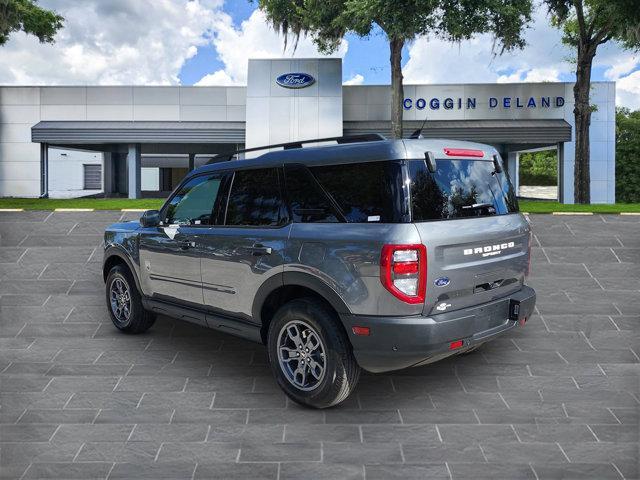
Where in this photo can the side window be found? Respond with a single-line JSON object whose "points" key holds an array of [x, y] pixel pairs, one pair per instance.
{"points": [[308, 202], [365, 192], [255, 199], [194, 202]]}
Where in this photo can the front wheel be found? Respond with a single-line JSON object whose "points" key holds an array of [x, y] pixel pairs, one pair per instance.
{"points": [[310, 355], [125, 303]]}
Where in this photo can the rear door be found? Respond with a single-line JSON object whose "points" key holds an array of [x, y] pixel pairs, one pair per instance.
{"points": [[477, 243], [248, 248]]}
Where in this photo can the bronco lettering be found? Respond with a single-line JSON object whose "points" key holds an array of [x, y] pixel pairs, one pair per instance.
{"points": [[489, 249]]}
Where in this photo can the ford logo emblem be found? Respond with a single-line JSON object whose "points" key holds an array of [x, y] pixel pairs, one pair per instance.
{"points": [[441, 282], [295, 80]]}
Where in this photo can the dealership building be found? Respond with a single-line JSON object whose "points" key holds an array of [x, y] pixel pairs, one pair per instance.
{"points": [[141, 140]]}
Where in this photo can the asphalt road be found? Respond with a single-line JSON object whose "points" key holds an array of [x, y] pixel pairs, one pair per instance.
{"points": [[558, 398]]}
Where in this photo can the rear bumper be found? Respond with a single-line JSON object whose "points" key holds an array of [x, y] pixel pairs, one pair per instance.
{"points": [[400, 342]]}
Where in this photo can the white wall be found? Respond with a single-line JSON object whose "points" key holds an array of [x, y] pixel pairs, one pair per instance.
{"points": [[602, 143], [23, 107], [19, 158], [66, 171], [150, 179]]}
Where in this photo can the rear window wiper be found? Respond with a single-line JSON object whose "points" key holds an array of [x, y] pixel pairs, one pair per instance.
{"points": [[476, 206]]}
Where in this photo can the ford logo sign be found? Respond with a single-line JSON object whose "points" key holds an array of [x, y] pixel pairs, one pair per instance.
{"points": [[441, 282], [295, 80]]}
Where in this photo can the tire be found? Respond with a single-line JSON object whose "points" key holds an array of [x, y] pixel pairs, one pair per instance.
{"points": [[341, 371], [138, 319]]}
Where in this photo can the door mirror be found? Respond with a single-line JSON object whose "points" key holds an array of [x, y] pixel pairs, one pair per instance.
{"points": [[150, 218]]}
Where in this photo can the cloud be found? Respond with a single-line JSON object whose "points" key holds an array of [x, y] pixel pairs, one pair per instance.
{"points": [[114, 42], [628, 91], [219, 78], [357, 79], [253, 39], [432, 60], [622, 65], [531, 75]]}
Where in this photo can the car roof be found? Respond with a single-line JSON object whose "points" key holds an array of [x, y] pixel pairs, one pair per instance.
{"points": [[358, 152]]}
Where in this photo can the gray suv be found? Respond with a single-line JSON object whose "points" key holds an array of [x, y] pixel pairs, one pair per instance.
{"points": [[369, 254]]}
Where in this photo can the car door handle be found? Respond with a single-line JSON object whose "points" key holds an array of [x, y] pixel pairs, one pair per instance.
{"points": [[186, 244], [258, 250]]}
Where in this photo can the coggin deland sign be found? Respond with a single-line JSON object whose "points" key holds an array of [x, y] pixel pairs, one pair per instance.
{"points": [[469, 103], [302, 80]]}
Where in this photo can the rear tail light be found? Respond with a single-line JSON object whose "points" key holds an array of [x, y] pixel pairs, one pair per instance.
{"points": [[403, 271]]}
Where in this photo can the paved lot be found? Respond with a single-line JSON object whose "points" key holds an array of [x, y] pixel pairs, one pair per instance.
{"points": [[556, 399]]}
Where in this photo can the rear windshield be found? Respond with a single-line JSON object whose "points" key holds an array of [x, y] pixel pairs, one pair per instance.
{"points": [[459, 189]]}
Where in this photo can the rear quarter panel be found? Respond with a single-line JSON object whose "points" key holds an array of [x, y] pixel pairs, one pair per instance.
{"points": [[346, 257]]}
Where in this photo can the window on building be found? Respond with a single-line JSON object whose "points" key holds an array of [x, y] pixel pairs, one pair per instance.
{"points": [[309, 204], [193, 203], [255, 199], [92, 175]]}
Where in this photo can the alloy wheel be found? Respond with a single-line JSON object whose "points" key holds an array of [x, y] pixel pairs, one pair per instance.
{"points": [[301, 355], [120, 300]]}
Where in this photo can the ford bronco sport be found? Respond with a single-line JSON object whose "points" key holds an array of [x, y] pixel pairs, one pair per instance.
{"points": [[369, 254]]}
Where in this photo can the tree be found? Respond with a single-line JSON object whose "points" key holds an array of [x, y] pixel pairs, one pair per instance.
{"points": [[587, 24], [28, 17], [327, 22], [627, 155]]}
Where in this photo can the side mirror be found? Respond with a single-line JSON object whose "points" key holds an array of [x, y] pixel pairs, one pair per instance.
{"points": [[431, 161], [150, 218]]}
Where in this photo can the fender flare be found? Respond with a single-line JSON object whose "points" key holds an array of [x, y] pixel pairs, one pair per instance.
{"points": [[117, 251], [298, 279]]}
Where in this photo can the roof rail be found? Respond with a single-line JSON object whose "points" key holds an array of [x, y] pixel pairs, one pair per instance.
{"points": [[365, 137]]}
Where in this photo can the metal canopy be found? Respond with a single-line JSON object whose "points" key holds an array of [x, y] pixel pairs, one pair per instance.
{"points": [[541, 132], [547, 132], [78, 133]]}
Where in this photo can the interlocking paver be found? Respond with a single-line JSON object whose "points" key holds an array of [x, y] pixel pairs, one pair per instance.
{"points": [[406, 472], [558, 398]]}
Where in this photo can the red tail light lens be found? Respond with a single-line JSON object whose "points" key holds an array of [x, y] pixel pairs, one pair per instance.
{"points": [[463, 152], [363, 331], [403, 271]]}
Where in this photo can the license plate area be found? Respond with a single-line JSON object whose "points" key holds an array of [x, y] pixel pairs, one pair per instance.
{"points": [[492, 316]]}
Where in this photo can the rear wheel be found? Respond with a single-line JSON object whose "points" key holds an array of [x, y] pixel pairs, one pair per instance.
{"points": [[125, 303], [310, 354]]}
